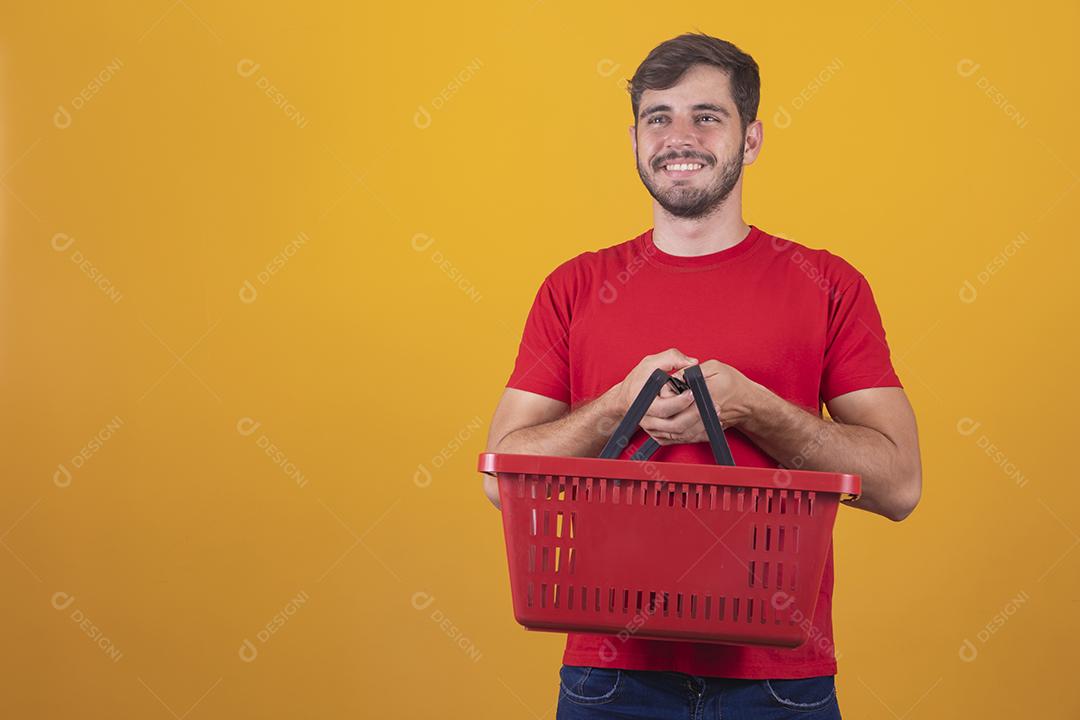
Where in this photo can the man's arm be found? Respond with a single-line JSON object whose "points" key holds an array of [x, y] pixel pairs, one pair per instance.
{"points": [[872, 434], [530, 424], [527, 423]]}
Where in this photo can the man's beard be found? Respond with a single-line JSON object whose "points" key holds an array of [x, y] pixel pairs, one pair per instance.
{"points": [[686, 201]]}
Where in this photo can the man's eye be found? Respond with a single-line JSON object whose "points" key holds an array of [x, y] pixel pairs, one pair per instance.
{"points": [[707, 117], [655, 118]]}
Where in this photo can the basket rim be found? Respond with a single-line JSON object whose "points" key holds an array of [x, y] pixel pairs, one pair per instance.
{"points": [[691, 473]]}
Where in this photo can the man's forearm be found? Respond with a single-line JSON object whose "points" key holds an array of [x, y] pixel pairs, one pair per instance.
{"points": [[799, 440], [580, 433]]}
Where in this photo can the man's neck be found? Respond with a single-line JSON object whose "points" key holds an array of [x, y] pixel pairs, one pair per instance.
{"points": [[700, 236]]}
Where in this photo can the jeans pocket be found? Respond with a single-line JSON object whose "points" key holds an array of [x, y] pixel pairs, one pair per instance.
{"points": [[811, 693], [589, 685]]}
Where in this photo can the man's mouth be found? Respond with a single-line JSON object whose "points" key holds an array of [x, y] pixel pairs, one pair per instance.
{"points": [[683, 169]]}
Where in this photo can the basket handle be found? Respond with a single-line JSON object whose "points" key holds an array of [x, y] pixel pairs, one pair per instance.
{"points": [[629, 424]]}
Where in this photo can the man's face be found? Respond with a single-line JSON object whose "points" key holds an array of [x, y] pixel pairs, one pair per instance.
{"points": [[695, 124]]}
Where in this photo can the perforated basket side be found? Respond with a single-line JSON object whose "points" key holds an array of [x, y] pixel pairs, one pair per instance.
{"points": [[665, 560]]}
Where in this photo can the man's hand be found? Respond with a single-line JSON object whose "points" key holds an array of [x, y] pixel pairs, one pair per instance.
{"points": [[674, 417], [669, 361]]}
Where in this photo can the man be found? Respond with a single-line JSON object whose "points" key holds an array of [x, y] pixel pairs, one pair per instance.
{"points": [[778, 330]]}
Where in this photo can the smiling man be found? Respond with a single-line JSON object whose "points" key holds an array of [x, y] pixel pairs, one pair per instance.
{"points": [[780, 331]]}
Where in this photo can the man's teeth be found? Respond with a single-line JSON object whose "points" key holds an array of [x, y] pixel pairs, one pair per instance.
{"points": [[684, 166]]}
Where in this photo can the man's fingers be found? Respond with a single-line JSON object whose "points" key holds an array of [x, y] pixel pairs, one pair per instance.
{"points": [[663, 407], [677, 424], [672, 359]]}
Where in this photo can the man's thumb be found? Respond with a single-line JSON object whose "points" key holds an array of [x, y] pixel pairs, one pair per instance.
{"points": [[677, 359]]}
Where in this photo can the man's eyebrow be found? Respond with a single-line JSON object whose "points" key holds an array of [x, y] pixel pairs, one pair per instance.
{"points": [[719, 109]]}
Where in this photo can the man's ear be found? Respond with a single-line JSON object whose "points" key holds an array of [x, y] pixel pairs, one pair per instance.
{"points": [[755, 135], [633, 139]]}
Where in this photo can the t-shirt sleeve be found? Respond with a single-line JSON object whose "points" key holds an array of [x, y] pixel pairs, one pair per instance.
{"points": [[543, 358], [856, 353]]}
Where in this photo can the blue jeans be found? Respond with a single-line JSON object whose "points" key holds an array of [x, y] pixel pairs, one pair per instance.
{"points": [[586, 693]]}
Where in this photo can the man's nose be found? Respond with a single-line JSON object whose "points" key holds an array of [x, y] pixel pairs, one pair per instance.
{"points": [[681, 133]]}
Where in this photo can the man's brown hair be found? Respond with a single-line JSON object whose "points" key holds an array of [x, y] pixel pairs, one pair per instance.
{"points": [[670, 60]]}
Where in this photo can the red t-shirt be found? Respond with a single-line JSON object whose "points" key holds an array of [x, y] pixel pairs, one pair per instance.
{"points": [[799, 321]]}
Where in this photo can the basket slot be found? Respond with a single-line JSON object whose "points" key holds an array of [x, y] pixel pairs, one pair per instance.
{"points": [[545, 552], [532, 558], [768, 501], [547, 523], [794, 575], [780, 575], [780, 539], [558, 558], [708, 606], [750, 610], [751, 568], [555, 599], [626, 601], [573, 525], [768, 537], [529, 595], [597, 595], [810, 504], [532, 523], [735, 609], [795, 539], [570, 561], [783, 502], [559, 524], [765, 575], [753, 537]]}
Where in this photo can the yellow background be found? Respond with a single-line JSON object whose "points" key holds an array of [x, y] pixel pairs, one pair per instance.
{"points": [[366, 362]]}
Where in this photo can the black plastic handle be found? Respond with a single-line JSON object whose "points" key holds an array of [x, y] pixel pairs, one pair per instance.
{"points": [[720, 450], [629, 425]]}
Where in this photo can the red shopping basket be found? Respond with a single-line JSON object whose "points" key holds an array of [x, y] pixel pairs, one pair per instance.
{"points": [[667, 551]]}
